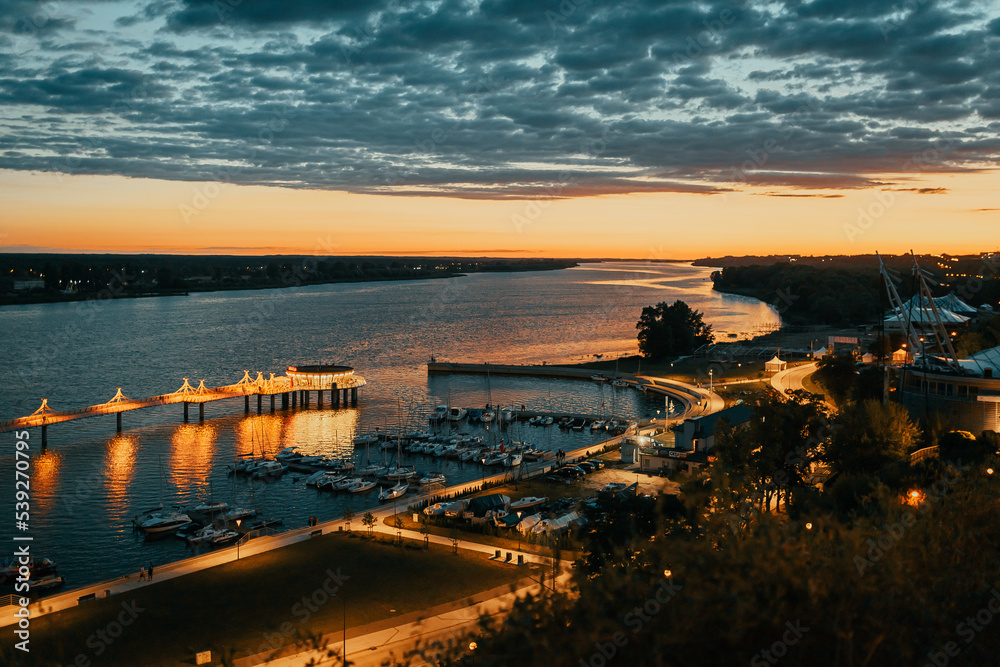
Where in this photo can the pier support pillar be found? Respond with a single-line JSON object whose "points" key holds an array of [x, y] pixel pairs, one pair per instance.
{"points": [[319, 399], [201, 412], [305, 398], [284, 400], [345, 396], [354, 396], [335, 396], [294, 399], [185, 412], [45, 437], [260, 402], [272, 404], [119, 415], [246, 404]]}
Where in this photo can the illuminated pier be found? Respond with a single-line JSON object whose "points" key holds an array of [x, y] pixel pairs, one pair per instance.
{"points": [[294, 388]]}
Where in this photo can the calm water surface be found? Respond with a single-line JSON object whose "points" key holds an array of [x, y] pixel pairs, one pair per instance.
{"points": [[92, 481]]}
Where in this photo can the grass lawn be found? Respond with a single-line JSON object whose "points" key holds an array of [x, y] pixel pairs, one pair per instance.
{"points": [[235, 607]]}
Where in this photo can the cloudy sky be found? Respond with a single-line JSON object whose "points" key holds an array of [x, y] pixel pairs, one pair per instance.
{"points": [[538, 127]]}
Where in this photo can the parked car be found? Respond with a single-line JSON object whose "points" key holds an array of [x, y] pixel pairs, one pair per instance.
{"points": [[569, 472], [597, 462], [587, 466]]}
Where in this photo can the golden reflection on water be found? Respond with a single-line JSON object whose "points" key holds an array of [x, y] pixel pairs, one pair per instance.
{"points": [[45, 470], [191, 456], [317, 432], [119, 466], [260, 433]]}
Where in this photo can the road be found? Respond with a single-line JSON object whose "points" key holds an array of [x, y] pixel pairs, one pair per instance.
{"points": [[791, 379]]}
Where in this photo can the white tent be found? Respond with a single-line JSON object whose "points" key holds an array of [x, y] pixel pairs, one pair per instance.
{"points": [[925, 316], [775, 365], [901, 356], [950, 302], [867, 358], [821, 352]]}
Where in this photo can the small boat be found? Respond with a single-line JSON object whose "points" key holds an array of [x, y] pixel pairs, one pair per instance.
{"points": [[513, 460], [260, 524], [223, 537], [470, 454], [270, 469], [598, 378], [238, 513], [38, 568], [397, 473], [362, 485], [457, 414], [526, 503], [323, 477], [46, 583], [395, 492], [369, 439], [344, 484], [620, 384], [596, 425], [488, 416], [187, 529], [440, 413], [370, 469], [534, 421], [288, 454], [494, 459], [162, 522], [212, 507], [548, 421], [577, 424], [506, 416], [434, 478], [204, 534]]}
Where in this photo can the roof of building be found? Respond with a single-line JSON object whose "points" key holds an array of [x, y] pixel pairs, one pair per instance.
{"points": [[320, 369], [705, 425]]}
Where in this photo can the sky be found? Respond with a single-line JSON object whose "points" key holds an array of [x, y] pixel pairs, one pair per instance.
{"points": [[573, 128]]}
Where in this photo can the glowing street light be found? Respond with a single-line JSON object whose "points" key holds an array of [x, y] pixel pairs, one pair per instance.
{"points": [[240, 539]]}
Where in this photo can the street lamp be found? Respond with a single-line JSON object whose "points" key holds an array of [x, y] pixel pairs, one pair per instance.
{"points": [[710, 372], [518, 529], [238, 522]]}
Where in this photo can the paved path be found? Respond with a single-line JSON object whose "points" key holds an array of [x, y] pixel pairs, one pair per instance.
{"points": [[792, 379]]}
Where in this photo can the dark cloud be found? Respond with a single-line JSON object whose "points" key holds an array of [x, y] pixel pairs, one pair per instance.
{"points": [[505, 99]]}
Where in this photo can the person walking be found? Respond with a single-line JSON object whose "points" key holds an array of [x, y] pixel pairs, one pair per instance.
{"points": [[150, 571], [142, 573]]}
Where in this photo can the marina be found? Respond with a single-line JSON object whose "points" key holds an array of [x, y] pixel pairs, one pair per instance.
{"points": [[91, 470]]}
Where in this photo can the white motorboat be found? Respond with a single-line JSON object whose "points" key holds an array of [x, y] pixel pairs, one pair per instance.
{"points": [[506, 416], [548, 421], [223, 537], [440, 413], [596, 425], [620, 384], [159, 522], [269, 469], [397, 473], [494, 459], [362, 485], [328, 483], [457, 414], [369, 439], [345, 484], [204, 534], [395, 492], [212, 506], [288, 454], [598, 378], [513, 460], [471, 454], [434, 478], [526, 503], [238, 513], [317, 478]]}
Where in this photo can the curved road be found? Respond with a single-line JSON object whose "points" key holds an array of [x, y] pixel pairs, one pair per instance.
{"points": [[791, 379]]}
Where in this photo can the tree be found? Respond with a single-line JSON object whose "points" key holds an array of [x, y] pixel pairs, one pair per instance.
{"points": [[348, 515], [870, 435], [671, 330], [838, 374], [368, 520]]}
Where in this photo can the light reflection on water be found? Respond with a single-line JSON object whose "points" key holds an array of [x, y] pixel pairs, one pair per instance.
{"points": [[91, 483]]}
